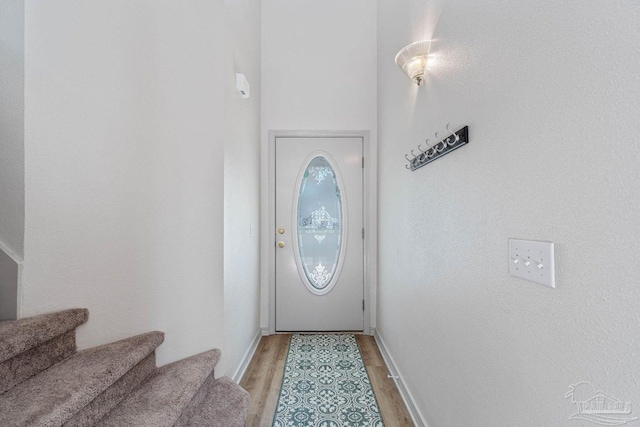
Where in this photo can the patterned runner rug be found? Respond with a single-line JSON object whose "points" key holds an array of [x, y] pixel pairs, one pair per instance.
{"points": [[325, 384]]}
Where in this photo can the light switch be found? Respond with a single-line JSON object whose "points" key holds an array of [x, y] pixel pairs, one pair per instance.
{"points": [[533, 261]]}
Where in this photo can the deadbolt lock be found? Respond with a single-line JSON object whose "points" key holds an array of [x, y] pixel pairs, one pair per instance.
{"points": [[281, 244], [281, 230]]}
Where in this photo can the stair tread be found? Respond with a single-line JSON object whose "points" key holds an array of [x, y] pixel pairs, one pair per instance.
{"points": [[161, 398], [17, 336], [56, 394], [225, 405]]}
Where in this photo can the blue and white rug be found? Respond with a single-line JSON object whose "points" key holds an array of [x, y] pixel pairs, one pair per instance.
{"points": [[325, 384]]}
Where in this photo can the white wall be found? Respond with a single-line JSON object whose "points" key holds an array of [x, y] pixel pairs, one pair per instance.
{"points": [[318, 73], [551, 93], [12, 125], [124, 168], [241, 181]]}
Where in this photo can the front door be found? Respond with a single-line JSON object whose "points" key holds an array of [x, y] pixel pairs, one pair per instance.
{"points": [[319, 234]]}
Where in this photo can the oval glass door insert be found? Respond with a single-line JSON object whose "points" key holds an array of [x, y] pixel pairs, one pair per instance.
{"points": [[319, 225]]}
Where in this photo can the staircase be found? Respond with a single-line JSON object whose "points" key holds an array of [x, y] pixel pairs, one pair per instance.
{"points": [[44, 381]]}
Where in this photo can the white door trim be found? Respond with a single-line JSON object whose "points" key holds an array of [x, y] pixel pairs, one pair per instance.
{"points": [[268, 226]]}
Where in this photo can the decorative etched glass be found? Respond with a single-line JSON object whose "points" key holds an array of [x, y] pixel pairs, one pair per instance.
{"points": [[319, 219]]}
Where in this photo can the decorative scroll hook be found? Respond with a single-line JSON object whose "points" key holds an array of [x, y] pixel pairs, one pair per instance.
{"points": [[457, 137], [433, 150], [444, 144]]}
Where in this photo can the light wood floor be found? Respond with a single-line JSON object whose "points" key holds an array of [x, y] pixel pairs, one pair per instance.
{"points": [[263, 379]]}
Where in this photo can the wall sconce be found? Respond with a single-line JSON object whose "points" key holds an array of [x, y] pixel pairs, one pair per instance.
{"points": [[412, 60]]}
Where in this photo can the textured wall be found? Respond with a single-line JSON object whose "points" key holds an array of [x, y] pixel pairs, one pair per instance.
{"points": [[318, 72], [550, 91], [241, 181], [124, 168], [12, 125]]}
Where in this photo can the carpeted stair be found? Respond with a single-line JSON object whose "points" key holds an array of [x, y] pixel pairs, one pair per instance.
{"points": [[31, 345], [45, 382]]}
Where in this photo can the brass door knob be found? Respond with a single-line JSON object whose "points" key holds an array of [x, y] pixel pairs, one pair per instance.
{"points": [[281, 230], [281, 244]]}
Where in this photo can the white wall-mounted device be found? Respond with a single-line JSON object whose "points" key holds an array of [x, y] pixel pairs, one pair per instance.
{"points": [[242, 85], [533, 261]]}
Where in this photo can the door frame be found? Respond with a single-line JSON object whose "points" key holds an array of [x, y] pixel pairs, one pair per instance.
{"points": [[268, 225]]}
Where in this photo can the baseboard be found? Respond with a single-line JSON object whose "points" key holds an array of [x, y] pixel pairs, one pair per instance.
{"points": [[246, 359], [265, 331], [10, 284], [416, 416]]}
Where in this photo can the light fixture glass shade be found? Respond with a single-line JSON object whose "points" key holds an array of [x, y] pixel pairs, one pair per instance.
{"points": [[413, 60]]}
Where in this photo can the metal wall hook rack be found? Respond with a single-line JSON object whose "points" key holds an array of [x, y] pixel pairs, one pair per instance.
{"points": [[442, 147]]}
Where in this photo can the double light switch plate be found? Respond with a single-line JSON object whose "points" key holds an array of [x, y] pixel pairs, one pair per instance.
{"points": [[533, 261]]}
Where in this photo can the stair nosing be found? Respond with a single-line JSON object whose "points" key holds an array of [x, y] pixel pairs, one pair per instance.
{"points": [[42, 328]]}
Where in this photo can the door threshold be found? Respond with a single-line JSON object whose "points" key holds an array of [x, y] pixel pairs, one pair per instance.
{"points": [[319, 332]]}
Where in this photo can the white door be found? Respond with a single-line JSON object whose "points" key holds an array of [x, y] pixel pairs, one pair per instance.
{"points": [[318, 236]]}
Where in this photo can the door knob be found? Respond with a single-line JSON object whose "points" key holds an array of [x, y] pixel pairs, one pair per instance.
{"points": [[281, 244], [281, 230]]}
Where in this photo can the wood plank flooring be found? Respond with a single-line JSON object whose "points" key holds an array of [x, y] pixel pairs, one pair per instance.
{"points": [[263, 379]]}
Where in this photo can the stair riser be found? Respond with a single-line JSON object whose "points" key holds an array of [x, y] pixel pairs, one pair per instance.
{"points": [[225, 404], [198, 399], [108, 399], [26, 365], [19, 336]]}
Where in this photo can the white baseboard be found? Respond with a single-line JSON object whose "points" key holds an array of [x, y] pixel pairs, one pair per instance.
{"points": [[265, 331], [416, 416], [10, 284], [246, 359]]}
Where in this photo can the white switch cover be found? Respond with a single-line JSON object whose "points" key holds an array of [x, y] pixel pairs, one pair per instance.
{"points": [[533, 261]]}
